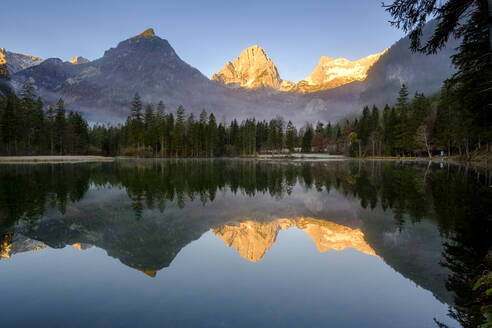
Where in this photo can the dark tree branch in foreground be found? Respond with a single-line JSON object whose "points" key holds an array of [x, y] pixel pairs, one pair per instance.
{"points": [[411, 16]]}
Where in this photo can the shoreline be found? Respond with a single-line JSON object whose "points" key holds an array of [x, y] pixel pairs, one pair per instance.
{"points": [[46, 159], [53, 159]]}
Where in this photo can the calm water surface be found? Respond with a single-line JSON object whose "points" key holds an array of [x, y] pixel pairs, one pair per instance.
{"points": [[239, 243]]}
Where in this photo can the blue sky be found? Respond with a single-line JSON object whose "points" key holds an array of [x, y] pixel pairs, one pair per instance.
{"points": [[204, 33]]}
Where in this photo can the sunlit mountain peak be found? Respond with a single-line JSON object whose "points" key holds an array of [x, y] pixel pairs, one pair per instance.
{"points": [[252, 69]]}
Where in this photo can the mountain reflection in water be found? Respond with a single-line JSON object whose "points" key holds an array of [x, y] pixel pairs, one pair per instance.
{"points": [[429, 224], [252, 239]]}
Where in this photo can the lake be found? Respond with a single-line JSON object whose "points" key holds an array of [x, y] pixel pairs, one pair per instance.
{"points": [[242, 243]]}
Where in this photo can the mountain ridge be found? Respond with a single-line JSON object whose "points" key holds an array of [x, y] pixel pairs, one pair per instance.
{"points": [[331, 73], [78, 60], [12, 62], [253, 69], [102, 89]]}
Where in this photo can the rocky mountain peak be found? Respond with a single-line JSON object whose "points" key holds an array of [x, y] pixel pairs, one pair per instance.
{"points": [[140, 49], [252, 69], [255, 51], [78, 60], [331, 73], [11, 62], [148, 33]]}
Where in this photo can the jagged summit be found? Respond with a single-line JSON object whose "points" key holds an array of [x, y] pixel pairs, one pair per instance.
{"points": [[78, 60], [252, 69], [148, 33], [11, 62], [141, 47], [331, 73]]}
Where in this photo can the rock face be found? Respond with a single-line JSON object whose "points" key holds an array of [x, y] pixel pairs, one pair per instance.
{"points": [[78, 60], [252, 238], [11, 62], [47, 76], [331, 73], [5, 88], [252, 69]]}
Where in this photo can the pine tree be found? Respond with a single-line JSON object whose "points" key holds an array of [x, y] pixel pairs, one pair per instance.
{"points": [[375, 136], [329, 131], [390, 123], [222, 140], [50, 126], [137, 121], [190, 136], [79, 133], [364, 126], [150, 127], [10, 122], [290, 136], [170, 145], [212, 134], [137, 108], [307, 139], [403, 137], [234, 137], [402, 100], [203, 133], [38, 124], [26, 113], [60, 125], [161, 125], [179, 131]]}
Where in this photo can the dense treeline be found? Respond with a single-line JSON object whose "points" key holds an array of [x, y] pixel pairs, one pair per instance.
{"points": [[406, 129], [413, 127], [417, 126], [154, 132], [28, 127]]}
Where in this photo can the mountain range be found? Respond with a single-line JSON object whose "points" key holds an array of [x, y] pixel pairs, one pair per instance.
{"points": [[254, 69], [250, 85]]}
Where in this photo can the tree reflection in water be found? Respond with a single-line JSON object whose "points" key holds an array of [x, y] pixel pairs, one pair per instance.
{"points": [[457, 200]]}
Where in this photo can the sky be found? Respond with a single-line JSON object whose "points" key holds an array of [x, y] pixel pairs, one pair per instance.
{"points": [[206, 33]]}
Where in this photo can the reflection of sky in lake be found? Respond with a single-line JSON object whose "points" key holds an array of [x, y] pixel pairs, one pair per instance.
{"points": [[209, 284]]}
